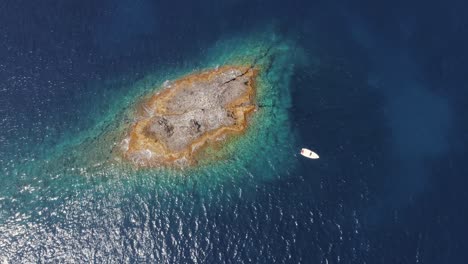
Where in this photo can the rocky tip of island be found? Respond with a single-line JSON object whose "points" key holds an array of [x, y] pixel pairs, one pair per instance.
{"points": [[189, 114]]}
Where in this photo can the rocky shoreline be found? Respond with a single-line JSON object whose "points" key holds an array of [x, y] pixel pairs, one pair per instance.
{"points": [[189, 114]]}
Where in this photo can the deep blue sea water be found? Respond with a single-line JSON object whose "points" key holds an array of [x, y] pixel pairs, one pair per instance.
{"points": [[383, 101]]}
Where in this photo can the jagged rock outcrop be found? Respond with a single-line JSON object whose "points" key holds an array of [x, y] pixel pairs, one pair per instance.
{"points": [[189, 114]]}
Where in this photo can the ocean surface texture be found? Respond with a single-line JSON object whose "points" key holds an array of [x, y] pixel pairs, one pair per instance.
{"points": [[377, 88]]}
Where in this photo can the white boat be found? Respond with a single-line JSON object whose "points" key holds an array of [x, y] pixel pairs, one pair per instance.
{"points": [[309, 154]]}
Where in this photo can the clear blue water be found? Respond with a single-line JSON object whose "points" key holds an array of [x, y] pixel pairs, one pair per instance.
{"points": [[379, 93]]}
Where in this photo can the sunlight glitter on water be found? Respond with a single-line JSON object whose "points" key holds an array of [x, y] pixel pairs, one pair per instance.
{"points": [[74, 206]]}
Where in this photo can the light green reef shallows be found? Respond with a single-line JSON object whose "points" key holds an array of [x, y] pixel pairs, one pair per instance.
{"points": [[264, 152]]}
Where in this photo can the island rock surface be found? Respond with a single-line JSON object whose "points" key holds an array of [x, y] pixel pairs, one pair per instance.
{"points": [[189, 114]]}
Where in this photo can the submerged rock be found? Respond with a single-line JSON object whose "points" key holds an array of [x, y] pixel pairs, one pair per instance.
{"points": [[189, 114]]}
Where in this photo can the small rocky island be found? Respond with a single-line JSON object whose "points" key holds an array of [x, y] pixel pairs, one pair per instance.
{"points": [[189, 114]]}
